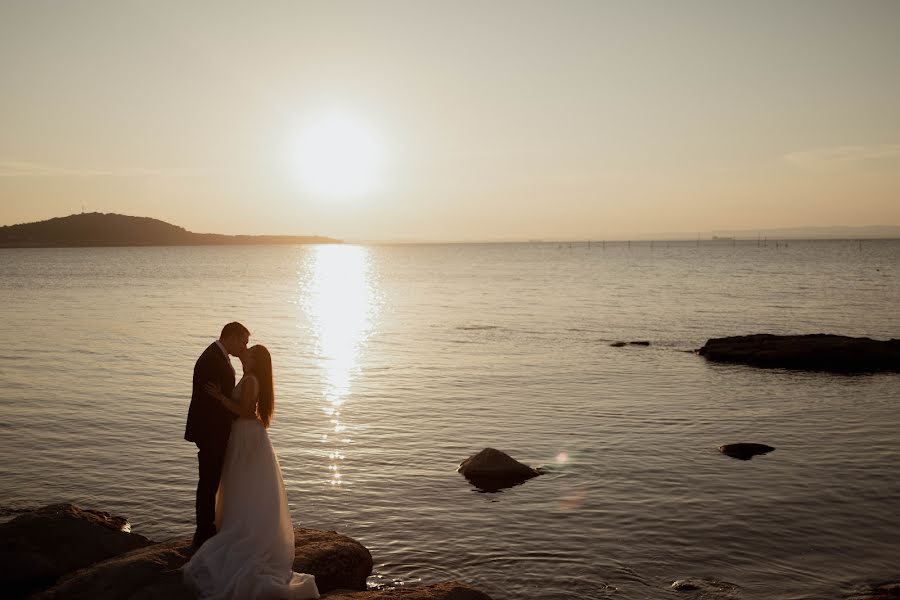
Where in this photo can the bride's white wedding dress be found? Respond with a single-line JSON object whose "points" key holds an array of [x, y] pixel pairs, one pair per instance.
{"points": [[251, 555]]}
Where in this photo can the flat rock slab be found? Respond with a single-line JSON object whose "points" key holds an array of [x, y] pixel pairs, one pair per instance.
{"points": [[817, 352], [492, 470], [40, 546], [745, 451], [450, 590], [153, 572]]}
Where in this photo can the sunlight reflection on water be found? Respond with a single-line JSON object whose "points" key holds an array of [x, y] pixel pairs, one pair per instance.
{"points": [[339, 303]]}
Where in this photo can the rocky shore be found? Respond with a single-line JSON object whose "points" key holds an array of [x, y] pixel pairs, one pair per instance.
{"points": [[65, 552]]}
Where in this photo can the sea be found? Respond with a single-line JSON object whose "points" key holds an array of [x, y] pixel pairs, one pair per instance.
{"points": [[393, 363]]}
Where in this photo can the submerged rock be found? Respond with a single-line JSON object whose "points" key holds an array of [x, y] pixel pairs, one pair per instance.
{"points": [[450, 590], [685, 585], [491, 470], [745, 451], [338, 562], [817, 352], [40, 546], [706, 586]]}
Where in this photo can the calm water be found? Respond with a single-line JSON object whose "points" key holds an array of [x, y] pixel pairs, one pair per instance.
{"points": [[393, 363]]}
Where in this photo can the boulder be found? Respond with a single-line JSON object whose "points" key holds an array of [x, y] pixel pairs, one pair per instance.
{"points": [[744, 451], [450, 590], [492, 470], [153, 573], [817, 352], [144, 574], [40, 546], [337, 561]]}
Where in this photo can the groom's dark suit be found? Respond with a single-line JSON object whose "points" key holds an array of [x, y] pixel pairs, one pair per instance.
{"points": [[208, 426]]}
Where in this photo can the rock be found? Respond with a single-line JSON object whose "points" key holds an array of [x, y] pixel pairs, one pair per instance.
{"points": [[623, 344], [451, 590], [818, 352], [491, 470], [641, 343], [337, 561], [152, 573], [685, 585], [144, 574], [744, 451], [708, 587], [618, 344], [885, 591], [40, 546], [88, 556]]}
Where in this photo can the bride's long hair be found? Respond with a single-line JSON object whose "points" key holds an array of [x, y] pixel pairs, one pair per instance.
{"points": [[262, 370]]}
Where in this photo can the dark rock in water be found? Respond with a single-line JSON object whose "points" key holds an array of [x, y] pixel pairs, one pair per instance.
{"points": [[818, 352], [491, 470], [622, 344], [618, 344], [642, 343], [40, 546], [885, 591], [450, 590], [153, 572], [685, 585], [708, 587], [745, 451]]}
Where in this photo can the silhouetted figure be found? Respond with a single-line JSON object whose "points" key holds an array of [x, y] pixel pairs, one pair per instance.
{"points": [[252, 553], [209, 423]]}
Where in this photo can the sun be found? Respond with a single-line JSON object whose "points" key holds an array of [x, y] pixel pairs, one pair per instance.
{"points": [[339, 157]]}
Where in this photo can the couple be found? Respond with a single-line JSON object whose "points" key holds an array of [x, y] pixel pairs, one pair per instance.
{"points": [[244, 540]]}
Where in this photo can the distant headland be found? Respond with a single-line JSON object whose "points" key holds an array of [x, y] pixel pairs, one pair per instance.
{"points": [[110, 229]]}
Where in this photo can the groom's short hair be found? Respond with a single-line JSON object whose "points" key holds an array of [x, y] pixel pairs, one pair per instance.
{"points": [[232, 329]]}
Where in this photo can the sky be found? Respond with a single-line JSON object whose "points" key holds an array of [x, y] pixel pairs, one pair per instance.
{"points": [[440, 121]]}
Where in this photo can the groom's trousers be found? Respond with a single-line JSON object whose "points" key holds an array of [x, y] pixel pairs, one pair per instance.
{"points": [[211, 461]]}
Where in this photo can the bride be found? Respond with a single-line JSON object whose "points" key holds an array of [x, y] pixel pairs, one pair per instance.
{"points": [[252, 553]]}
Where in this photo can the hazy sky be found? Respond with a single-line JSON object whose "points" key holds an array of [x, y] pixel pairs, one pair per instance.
{"points": [[455, 120]]}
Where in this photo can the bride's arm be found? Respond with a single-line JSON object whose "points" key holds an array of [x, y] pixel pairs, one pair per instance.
{"points": [[247, 406]]}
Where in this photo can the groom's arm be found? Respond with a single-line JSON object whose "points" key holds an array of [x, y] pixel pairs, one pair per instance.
{"points": [[206, 372], [247, 405]]}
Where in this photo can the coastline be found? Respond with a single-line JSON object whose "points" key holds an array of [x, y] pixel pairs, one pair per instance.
{"points": [[63, 551], [93, 230]]}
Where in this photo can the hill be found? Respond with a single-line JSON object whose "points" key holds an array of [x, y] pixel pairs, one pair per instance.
{"points": [[110, 229]]}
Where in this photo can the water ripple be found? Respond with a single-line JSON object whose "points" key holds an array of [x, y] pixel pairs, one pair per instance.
{"points": [[395, 363]]}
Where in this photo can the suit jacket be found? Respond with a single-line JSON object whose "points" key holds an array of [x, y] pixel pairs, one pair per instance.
{"points": [[208, 422]]}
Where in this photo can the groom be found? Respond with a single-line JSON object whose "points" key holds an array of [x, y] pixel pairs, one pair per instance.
{"points": [[209, 423]]}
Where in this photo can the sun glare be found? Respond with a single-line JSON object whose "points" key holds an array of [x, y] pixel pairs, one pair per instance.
{"points": [[339, 157]]}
